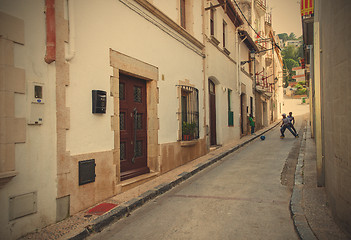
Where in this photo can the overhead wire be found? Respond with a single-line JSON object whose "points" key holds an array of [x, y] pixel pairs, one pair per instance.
{"points": [[251, 25], [246, 19]]}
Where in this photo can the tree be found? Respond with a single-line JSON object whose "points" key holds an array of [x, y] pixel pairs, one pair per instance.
{"points": [[292, 36], [290, 64], [290, 52], [283, 36]]}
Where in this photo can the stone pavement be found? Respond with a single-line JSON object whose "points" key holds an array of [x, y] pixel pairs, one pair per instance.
{"points": [[82, 224], [308, 204]]}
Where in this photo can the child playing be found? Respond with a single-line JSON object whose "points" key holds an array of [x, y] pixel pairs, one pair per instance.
{"points": [[286, 125], [252, 124], [292, 122]]}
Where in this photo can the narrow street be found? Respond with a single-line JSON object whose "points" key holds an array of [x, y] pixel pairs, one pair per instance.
{"points": [[141, 119], [240, 197]]}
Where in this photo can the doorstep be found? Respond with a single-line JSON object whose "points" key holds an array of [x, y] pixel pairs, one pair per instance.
{"points": [[136, 181]]}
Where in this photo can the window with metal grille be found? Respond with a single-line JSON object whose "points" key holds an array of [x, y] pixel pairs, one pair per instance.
{"points": [[189, 114]]}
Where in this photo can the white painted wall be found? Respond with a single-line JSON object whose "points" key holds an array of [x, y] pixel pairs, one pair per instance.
{"points": [[36, 158], [224, 70], [90, 69], [172, 8]]}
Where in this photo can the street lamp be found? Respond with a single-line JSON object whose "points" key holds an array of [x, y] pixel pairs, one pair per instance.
{"points": [[252, 57], [252, 54]]}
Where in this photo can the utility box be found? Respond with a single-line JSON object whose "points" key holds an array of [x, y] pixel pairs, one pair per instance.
{"points": [[98, 101], [36, 111], [22, 205]]}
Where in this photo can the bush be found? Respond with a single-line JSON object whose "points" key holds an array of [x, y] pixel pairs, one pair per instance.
{"points": [[188, 128], [301, 91]]}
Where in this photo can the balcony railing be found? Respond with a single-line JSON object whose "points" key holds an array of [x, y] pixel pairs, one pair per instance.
{"points": [[262, 4], [268, 18], [263, 85]]}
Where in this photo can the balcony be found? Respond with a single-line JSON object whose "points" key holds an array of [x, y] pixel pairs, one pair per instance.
{"points": [[264, 87], [260, 5]]}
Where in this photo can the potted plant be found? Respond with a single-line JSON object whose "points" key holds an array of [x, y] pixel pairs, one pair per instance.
{"points": [[188, 130]]}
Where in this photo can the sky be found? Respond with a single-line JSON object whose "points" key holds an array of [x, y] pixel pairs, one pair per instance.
{"points": [[286, 16]]}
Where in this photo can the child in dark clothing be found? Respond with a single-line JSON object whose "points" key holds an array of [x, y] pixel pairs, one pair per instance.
{"points": [[286, 125], [292, 122]]}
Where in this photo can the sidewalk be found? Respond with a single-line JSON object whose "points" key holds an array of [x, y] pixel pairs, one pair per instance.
{"points": [[82, 224], [308, 205]]}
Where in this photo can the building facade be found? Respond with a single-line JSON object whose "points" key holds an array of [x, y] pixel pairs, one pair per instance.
{"points": [[98, 98], [327, 71], [266, 65], [300, 74]]}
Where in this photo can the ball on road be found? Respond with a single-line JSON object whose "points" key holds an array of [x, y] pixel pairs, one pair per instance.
{"points": [[263, 137]]}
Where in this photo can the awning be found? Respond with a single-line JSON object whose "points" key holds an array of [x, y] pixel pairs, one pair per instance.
{"points": [[248, 41], [231, 12], [307, 7]]}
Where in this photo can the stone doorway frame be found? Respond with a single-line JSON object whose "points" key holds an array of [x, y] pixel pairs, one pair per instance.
{"points": [[130, 66]]}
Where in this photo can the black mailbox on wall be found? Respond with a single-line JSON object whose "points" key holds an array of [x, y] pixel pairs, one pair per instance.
{"points": [[99, 101]]}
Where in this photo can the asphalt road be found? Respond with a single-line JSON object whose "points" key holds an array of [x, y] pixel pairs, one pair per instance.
{"points": [[240, 197]]}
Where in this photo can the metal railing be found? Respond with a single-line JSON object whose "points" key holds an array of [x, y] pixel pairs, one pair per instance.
{"points": [[189, 114]]}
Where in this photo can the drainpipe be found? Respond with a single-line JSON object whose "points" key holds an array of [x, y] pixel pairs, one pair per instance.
{"points": [[238, 87], [71, 38], [50, 31], [237, 60], [205, 80]]}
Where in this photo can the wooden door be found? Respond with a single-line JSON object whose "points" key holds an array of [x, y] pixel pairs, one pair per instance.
{"points": [[133, 127], [212, 96]]}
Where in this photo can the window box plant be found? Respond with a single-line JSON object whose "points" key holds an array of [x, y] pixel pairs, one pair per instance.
{"points": [[188, 130]]}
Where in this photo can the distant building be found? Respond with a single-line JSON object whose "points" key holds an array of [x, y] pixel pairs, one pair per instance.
{"points": [[295, 43], [300, 74]]}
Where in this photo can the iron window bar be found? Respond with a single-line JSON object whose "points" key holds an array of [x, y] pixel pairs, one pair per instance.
{"points": [[189, 114]]}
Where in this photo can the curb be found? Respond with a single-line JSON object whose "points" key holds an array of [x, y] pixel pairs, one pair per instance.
{"points": [[296, 209], [125, 209]]}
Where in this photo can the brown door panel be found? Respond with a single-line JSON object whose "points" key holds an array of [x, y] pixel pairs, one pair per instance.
{"points": [[134, 110]]}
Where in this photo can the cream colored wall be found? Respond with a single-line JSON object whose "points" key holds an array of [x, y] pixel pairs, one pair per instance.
{"points": [[171, 9], [36, 158], [224, 71], [90, 69], [244, 55]]}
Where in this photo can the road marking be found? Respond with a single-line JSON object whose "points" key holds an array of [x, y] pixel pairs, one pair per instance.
{"points": [[231, 198]]}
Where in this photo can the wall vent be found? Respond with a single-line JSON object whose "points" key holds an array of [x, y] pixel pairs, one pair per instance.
{"points": [[86, 171]]}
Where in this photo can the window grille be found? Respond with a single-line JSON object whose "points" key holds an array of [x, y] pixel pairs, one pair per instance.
{"points": [[189, 114]]}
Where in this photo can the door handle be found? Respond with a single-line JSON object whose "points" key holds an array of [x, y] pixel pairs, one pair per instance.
{"points": [[135, 111]]}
